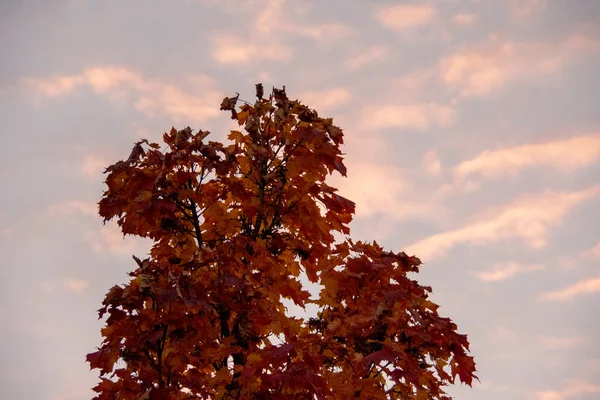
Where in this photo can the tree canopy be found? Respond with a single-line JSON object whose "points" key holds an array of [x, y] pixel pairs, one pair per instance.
{"points": [[236, 228]]}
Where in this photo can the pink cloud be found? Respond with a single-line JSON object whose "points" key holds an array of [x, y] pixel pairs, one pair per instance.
{"points": [[432, 163], [72, 206], [399, 17], [505, 271], [573, 389], [326, 99], [559, 342], [229, 49], [75, 285], [93, 165], [564, 155], [414, 116], [464, 19], [587, 286], [522, 9], [489, 66], [151, 97], [529, 218], [109, 239], [372, 55]]}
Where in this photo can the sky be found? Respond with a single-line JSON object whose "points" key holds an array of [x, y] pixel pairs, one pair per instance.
{"points": [[472, 132]]}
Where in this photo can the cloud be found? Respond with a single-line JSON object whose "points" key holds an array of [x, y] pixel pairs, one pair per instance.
{"points": [[507, 270], [464, 19], [572, 390], [93, 165], [505, 335], [431, 162], [582, 287], [109, 239], [564, 155], [75, 285], [529, 218], [488, 67], [71, 206], [326, 99], [400, 17], [266, 40], [277, 17], [592, 253], [583, 258], [151, 97], [411, 116], [371, 56], [230, 49], [522, 9], [559, 342], [382, 190], [54, 86]]}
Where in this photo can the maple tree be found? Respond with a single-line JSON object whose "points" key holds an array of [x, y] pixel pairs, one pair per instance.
{"points": [[235, 230]]}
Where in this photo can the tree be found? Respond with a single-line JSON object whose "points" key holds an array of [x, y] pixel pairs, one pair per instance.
{"points": [[235, 230]]}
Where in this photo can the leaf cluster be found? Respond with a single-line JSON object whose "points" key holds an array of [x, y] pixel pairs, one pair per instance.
{"points": [[234, 228]]}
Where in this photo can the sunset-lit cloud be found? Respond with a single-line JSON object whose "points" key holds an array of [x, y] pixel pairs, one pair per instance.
{"points": [[326, 99], [431, 162], [571, 390], [587, 286], [93, 165], [564, 155], [560, 342], [72, 206], [592, 253], [411, 116], [75, 285], [229, 49], [484, 68], [504, 271], [371, 56], [528, 218], [151, 97], [109, 239], [397, 201], [522, 9], [401, 17], [464, 19], [278, 16]]}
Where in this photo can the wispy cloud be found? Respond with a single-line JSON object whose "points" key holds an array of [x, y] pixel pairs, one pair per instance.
{"points": [[592, 253], [528, 218], [400, 17], [587, 286], [230, 49], [432, 163], [326, 99], [522, 9], [109, 239], [489, 66], [279, 17], [565, 155], [93, 165], [371, 56], [464, 19], [75, 285], [398, 200], [72, 206], [410, 116], [504, 271], [573, 389], [560, 342], [149, 96]]}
